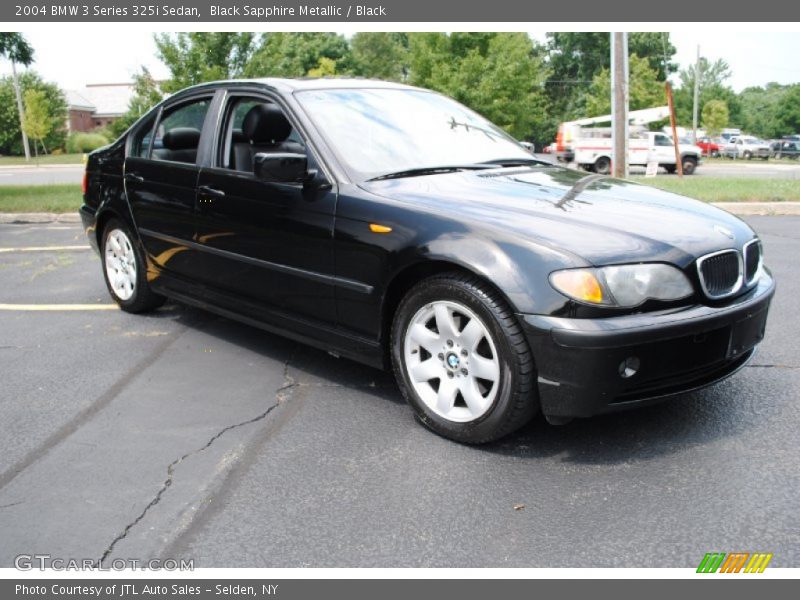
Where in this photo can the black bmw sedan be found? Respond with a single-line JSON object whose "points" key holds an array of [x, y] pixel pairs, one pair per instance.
{"points": [[393, 226]]}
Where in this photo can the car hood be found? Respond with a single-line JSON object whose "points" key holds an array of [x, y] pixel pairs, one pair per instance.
{"points": [[599, 219]]}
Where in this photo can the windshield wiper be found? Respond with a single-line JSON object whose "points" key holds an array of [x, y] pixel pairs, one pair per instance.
{"points": [[419, 171], [513, 162]]}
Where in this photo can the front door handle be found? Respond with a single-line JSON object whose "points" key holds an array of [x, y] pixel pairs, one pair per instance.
{"points": [[134, 177], [209, 191]]}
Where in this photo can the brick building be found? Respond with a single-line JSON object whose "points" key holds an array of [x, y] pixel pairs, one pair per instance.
{"points": [[97, 105]]}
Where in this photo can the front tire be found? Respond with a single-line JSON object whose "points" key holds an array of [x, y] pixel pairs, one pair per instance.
{"points": [[689, 165], [125, 270], [461, 360]]}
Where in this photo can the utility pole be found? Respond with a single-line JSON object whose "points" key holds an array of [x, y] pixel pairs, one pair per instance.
{"points": [[671, 104], [696, 107], [21, 111], [619, 103]]}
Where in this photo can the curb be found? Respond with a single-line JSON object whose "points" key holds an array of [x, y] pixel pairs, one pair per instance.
{"points": [[744, 209], [38, 218], [27, 167]]}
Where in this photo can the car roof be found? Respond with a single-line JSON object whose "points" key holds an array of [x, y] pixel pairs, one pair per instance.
{"points": [[288, 85]]}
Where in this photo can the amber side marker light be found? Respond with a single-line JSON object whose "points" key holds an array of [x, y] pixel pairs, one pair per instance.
{"points": [[578, 284], [377, 228]]}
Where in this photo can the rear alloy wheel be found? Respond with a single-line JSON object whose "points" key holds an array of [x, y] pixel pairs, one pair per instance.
{"points": [[125, 271], [602, 166], [747, 155], [461, 360]]}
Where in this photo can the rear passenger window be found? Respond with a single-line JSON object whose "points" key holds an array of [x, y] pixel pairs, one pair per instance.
{"points": [[177, 136]]}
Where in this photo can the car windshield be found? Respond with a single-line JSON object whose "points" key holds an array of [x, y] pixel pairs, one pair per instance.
{"points": [[377, 132]]}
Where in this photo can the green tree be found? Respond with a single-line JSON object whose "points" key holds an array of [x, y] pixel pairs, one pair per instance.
{"points": [[499, 75], [203, 56], [713, 78], [288, 54], [15, 48], [788, 112], [715, 116], [575, 58], [146, 94], [326, 68], [759, 110], [37, 121], [10, 130], [644, 89], [380, 55]]}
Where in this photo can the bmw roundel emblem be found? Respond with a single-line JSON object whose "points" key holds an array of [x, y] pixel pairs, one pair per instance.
{"points": [[452, 361]]}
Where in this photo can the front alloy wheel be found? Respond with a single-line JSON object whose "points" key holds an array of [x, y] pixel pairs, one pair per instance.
{"points": [[451, 360], [461, 359]]}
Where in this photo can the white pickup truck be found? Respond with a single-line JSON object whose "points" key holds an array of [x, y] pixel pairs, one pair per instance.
{"points": [[594, 153]]}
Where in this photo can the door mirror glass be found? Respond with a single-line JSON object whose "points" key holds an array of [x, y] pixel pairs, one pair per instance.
{"points": [[282, 167]]}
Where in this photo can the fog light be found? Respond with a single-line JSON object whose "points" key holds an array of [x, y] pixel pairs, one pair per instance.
{"points": [[629, 367]]}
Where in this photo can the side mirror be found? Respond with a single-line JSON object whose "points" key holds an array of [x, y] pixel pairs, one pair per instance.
{"points": [[281, 168]]}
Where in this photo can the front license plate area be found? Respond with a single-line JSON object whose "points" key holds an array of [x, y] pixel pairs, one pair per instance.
{"points": [[747, 333]]}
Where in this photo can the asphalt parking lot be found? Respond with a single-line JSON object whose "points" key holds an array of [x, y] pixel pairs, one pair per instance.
{"points": [[185, 435]]}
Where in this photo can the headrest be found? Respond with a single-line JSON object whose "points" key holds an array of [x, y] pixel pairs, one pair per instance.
{"points": [[266, 124], [181, 138], [238, 137]]}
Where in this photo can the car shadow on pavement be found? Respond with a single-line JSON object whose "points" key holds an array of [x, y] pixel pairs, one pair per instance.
{"points": [[685, 420], [692, 419], [305, 364]]}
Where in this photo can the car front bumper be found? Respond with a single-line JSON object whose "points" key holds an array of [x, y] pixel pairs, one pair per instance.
{"points": [[580, 362]]}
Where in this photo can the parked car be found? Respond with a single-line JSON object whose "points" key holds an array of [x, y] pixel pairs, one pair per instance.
{"points": [[747, 147], [785, 149], [709, 147], [393, 226]]}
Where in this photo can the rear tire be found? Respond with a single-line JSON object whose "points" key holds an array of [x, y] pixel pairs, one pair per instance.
{"points": [[125, 270], [602, 166], [462, 361]]}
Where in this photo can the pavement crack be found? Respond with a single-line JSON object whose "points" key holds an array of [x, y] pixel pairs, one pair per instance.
{"points": [[10, 505], [773, 366], [280, 396]]}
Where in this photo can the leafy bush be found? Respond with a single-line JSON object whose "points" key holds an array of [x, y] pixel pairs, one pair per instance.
{"points": [[85, 142]]}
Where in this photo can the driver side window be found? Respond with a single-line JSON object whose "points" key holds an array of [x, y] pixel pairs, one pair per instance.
{"points": [[252, 126]]}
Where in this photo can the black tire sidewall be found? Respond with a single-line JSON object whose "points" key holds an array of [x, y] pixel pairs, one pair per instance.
{"points": [[495, 418]]}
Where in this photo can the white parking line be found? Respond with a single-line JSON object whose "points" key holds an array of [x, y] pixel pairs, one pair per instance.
{"points": [[58, 307], [46, 249]]}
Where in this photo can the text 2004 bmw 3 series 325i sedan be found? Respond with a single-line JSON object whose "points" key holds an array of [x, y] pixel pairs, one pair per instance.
{"points": [[395, 227]]}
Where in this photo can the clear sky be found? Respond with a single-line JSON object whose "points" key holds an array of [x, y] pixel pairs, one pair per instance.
{"points": [[72, 59]]}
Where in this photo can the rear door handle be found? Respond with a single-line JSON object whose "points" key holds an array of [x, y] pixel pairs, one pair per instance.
{"points": [[209, 191], [134, 177]]}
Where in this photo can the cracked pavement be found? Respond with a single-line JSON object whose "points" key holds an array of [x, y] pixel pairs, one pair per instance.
{"points": [[185, 435]]}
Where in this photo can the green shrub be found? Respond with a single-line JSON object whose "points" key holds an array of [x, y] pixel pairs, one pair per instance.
{"points": [[85, 142]]}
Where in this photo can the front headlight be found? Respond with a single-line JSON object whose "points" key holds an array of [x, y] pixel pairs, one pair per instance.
{"points": [[624, 285]]}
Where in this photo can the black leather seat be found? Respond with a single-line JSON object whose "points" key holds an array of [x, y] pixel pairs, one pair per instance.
{"points": [[180, 145], [265, 129]]}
